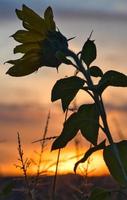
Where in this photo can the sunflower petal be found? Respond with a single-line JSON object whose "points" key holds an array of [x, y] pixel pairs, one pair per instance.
{"points": [[25, 66], [48, 16], [24, 36], [19, 14], [24, 48], [31, 19]]}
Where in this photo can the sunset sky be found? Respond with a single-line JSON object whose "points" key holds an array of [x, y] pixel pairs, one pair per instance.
{"points": [[25, 102]]}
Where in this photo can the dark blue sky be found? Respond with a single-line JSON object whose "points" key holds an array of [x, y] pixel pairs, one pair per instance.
{"points": [[104, 6]]}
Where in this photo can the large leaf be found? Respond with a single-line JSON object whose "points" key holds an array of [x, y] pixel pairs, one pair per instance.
{"points": [[89, 122], [88, 54], [69, 131], [89, 152], [83, 121], [95, 71], [112, 78], [100, 194], [66, 89], [112, 162]]}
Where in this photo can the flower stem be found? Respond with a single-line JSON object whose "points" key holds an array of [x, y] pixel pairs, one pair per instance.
{"points": [[100, 105]]}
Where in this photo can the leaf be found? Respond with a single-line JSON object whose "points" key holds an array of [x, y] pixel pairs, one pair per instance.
{"points": [[23, 36], [81, 120], [88, 54], [112, 163], [112, 78], [89, 122], [95, 71], [66, 89], [69, 131], [48, 15], [89, 152], [99, 194]]}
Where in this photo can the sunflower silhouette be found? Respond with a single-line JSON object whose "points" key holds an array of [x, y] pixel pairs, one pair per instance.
{"points": [[40, 42]]}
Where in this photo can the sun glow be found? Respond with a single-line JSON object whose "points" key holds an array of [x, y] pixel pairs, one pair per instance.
{"points": [[94, 166]]}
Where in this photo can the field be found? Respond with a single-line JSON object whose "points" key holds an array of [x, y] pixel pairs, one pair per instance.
{"points": [[68, 187]]}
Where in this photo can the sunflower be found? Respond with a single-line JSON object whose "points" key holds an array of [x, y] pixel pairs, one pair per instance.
{"points": [[40, 42]]}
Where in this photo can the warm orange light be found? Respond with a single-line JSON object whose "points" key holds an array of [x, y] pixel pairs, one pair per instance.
{"points": [[96, 166]]}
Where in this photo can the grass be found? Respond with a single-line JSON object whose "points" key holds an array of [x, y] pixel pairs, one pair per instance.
{"points": [[33, 184]]}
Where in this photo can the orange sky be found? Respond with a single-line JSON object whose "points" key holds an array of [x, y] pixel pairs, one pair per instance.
{"points": [[67, 160], [30, 126]]}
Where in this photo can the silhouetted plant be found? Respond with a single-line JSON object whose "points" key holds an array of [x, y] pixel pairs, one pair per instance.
{"points": [[41, 151], [44, 45], [23, 165]]}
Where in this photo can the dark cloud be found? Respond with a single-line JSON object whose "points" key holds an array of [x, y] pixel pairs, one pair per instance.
{"points": [[32, 113], [26, 113], [118, 108]]}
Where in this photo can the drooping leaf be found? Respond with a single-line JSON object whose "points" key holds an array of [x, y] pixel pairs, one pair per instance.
{"points": [[69, 131], [48, 15], [88, 54], [95, 71], [66, 89], [100, 194], [89, 122], [112, 162], [112, 78], [89, 152]]}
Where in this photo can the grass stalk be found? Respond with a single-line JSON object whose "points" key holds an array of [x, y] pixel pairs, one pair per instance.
{"points": [[57, 164], [42, 150], [24, 166]]}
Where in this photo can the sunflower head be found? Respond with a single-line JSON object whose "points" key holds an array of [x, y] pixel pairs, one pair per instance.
{"points": [[40, 42]]}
